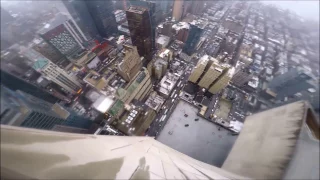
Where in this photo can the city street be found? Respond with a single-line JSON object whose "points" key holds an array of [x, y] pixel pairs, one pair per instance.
{"points": [[170, 104]]}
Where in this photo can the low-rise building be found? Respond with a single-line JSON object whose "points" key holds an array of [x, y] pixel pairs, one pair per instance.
{"points": [[155, 101], [167, 83]]}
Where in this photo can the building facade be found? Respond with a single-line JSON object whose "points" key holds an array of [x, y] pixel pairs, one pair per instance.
{"points": [[137, 89], [197, 7], [199, 69], [51, 53], [15, 63], [177, 10], [103, 17], [141, 31], [57, 75], [222, 81], [80, 13], [131, 63], [63, 34], [212, 73], [21, 109], [241, 77], [194, 34]]}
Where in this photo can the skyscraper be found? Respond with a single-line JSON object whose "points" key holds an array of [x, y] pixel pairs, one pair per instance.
{"points": [[137, 89], [79, 12], [52, 72], [102, 14], [22, 109], [141, 31], [51, 53], [222, 81], [15, 63], [131, 63], [290, 83], [62, 34], [14, 83], [241, 77], [199, 69], [177, 9], [242, 74], [197, 7], [153, 7], [212, 73], [196, 29]]}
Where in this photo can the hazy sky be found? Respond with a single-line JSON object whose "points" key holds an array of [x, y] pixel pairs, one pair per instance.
{"points": [[308, 9]]}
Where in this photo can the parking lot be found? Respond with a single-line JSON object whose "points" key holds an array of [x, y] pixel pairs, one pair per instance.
{"points": [[201, 139]]}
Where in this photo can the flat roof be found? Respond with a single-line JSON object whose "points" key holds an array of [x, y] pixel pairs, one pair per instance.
{"points": [[201, 139], [103, 104], [168, 82]]}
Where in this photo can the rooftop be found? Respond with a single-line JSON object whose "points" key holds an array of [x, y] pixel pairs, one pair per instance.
{"points": [[201, 139], [102, 104], [40, 64], [116, 107], [137, 9], [181, 25], [155, 101], [167, 83]]}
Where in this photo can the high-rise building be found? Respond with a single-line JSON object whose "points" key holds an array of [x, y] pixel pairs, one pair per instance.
{"points": [[199, 69], [166, 6], [177, 9], [141, 31], [131, 63], [14, 83], [154, 7], [62, 34], [51, 53], [79, 12], [212, 73], [290, 83], [22, 109], [242, 74], [15, 63], [57, 75], [182, 31], [103, 16], [157, 67], [241, 77], [195, 31], [222, 81], [138, 88], [197, 7]]}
